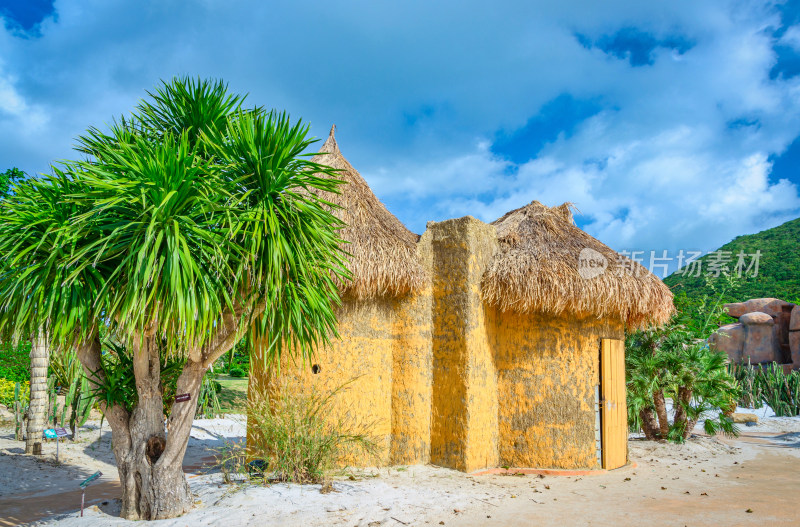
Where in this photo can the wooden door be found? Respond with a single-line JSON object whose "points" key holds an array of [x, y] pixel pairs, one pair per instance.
{"points": [[614, 414]]}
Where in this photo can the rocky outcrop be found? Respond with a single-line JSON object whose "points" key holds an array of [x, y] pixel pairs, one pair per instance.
{"points": [[768, 331], [759, 342], [729, 339], [771, 306]]}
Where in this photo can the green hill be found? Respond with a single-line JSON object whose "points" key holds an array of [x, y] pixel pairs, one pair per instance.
{"points": [[778, 269]]}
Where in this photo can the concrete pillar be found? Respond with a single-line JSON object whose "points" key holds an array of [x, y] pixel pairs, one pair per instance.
{"points": [[412, 375], [464, 430], [758, 337]]}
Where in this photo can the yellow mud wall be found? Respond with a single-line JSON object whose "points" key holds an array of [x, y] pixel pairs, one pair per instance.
{"points": [[547, 370], [412, 375], [363, 355], [464, 397]]}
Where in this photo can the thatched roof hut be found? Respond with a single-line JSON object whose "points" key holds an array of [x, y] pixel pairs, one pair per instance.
{"points": [[538, 269], [383, 258]]}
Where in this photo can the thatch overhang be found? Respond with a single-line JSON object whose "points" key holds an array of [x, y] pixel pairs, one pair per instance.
{"points": [[383, 257], [546, 264]]}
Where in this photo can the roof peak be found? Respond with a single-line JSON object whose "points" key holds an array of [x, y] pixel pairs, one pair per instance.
{"points": [[330, 146]]}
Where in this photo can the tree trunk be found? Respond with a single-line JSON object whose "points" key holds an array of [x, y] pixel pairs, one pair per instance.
{"points": [[681, 418], [37, 412], [150, 460], [649, 424], [661, 412]]}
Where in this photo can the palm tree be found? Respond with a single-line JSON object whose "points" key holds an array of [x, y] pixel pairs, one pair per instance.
{"points": [[192, 223], [31, 220]]}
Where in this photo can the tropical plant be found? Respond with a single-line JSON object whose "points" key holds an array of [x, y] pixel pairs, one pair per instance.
{"points": [[39, 394], [183, 227], [208, 404], [66, 372], [770, 385], [668, 363], [674, 362], [750, 382]]}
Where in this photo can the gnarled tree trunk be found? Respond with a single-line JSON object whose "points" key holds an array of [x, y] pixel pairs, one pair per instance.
{"points": [[150, 459], [37, 412]]}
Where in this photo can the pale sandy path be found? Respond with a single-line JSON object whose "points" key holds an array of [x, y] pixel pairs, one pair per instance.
{"points": [[760, 471]]}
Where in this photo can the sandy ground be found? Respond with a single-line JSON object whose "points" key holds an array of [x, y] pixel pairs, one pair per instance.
{"points": [[752, 480]]}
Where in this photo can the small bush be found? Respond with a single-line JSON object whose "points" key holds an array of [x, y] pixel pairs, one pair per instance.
{"points": [[295, 439], [7, 392], [237, 372], [15, 361]]}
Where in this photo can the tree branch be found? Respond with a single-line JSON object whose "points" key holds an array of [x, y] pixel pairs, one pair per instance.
{"points": [[230, 332], [89, 353]]}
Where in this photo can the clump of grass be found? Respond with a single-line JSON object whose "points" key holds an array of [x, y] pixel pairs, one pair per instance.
{"points": [[769, 385], [748, 379], [295, 437]]}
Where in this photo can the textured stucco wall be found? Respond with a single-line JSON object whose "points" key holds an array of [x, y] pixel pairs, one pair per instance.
{"points": [[412, 373], [464, 403], [547, 369], [447, 380], [364, 353]]}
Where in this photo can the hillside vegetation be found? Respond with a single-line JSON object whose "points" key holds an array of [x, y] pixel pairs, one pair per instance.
{"points": [[778, 269]]}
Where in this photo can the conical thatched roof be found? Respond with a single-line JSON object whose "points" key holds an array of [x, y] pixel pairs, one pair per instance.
{"points": [[544, 265], [383, 253]]}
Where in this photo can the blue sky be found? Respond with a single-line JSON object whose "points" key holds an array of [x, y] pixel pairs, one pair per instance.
{"points": [[671, 125]]}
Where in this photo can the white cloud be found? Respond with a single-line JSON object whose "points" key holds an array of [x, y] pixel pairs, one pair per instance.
{"points": [[419, 90]]}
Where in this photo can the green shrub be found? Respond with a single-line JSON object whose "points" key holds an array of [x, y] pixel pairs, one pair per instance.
{"points": [[208, 404], [15, 361], [7, 391], [296, 439], [237, 372]]}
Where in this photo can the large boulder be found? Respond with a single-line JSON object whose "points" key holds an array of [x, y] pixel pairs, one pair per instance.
{"points": [[729, 339], [771, 306], [759, 342]]}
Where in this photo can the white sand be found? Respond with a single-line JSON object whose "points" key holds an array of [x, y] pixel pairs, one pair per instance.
{"points": [[695, 481]]}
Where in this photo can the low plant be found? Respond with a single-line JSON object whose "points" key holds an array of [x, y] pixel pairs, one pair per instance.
{"points": [[781, 391], [674, 362], [298, 437], [208, 404], [668, 364], [237, 372], [20, 407], [15, 361], [7, 388], [749, 380], [769, 385], [67, 378]]}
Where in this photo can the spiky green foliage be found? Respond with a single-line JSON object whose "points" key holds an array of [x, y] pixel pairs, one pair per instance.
{"points": [[187, 216], [669, 362], [769, 385]]}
